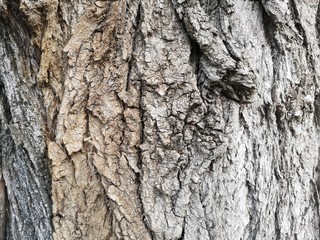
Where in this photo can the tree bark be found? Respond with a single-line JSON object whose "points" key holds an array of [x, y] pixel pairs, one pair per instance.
{"points": [[159, 119], [25, 192]]}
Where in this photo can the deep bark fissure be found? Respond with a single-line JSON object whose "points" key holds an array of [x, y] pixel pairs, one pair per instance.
{"points": [[195, 49], [182, 237], [317, 109], [195, 58], [139, 175], [230, 51], [137, 35], [5, 102], [15, 13], [317, 24]]}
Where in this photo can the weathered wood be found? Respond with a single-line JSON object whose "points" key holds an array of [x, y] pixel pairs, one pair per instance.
{"points": [[163, 119]]}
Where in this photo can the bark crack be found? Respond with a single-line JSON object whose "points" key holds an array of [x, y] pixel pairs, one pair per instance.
{"points": [[318, 23], [182, 237]]}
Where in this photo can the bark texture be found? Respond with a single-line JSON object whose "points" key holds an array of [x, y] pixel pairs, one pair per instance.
{"points": [[160, 119], [25, 180]]}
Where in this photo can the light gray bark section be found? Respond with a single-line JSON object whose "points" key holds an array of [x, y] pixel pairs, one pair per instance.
{"points": [[231, 145]]}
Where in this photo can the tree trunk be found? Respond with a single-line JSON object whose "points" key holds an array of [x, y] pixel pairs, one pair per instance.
{"points": [[159, 119]]}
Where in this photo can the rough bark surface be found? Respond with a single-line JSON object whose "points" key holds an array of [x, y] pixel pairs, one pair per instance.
{"points": [[25, 194], [160, 119]]}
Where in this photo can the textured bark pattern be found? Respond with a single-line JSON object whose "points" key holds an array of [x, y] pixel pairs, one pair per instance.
{"points": [[25, 168], [172, 119]]}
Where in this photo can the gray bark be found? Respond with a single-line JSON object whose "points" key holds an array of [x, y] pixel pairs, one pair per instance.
{"points": [[160, 119], [25, 167]]}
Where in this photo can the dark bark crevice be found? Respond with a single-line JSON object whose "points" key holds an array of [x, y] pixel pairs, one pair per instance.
{"points": [[139, 175], [18, 16], [231, 51], [5, 103], [195, 57], [137, 39], [182, 237], [318, 23], [196, 53], [317, 109]]}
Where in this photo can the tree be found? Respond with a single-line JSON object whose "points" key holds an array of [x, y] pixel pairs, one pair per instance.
{"points": [[167, 119]]}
